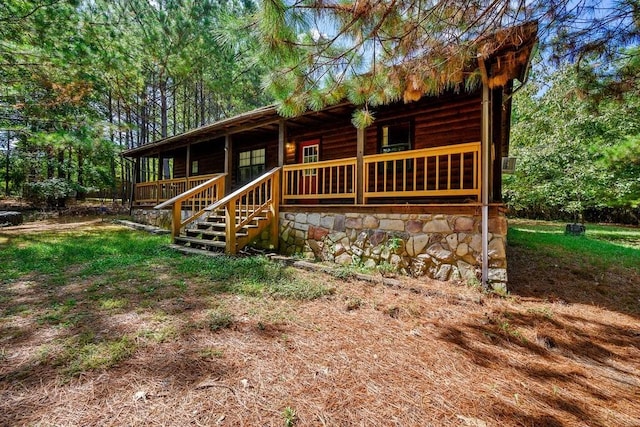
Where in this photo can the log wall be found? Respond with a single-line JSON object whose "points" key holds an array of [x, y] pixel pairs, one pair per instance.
{"points": [[210, 156], [452, 119]]}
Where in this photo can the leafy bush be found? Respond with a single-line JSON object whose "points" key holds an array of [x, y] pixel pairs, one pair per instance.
{"points": [[51, 191]]}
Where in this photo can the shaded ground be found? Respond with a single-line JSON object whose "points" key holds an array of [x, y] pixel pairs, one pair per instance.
{"points": [[552, 274], [555, 353]]}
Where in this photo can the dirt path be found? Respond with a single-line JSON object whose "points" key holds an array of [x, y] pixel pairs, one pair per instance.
{"points": [[51, 225]]}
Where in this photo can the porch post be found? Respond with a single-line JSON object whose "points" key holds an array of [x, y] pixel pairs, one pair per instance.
{"points": [[228, 163], [188, 165], [486, 160], [135, 180], [159, 178], [136, 171], [360, 166], [282, 140]]}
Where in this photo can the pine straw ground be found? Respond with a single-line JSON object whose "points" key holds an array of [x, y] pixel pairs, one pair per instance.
{"points": [[423, 354]]}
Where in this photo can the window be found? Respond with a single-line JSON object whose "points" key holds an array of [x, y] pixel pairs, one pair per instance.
{"points": [[251, 164], [395, 136], [194, 167], [310, 155]]}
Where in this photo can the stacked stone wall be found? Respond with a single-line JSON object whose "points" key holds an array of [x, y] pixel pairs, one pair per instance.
{"points": [[444, 247], [156, 217]]}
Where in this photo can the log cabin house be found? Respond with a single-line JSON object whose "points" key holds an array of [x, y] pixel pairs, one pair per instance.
{"points": [[418, 191]]}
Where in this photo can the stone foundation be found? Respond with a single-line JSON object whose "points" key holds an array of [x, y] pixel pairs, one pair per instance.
{"points": [[156, 217], [443, 247], [440, 246]]}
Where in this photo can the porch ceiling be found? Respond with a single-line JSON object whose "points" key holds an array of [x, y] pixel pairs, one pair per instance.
{"points": [[259, 121]]}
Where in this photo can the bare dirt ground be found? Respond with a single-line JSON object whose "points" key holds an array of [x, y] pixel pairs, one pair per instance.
{"points": [[559, 351]]}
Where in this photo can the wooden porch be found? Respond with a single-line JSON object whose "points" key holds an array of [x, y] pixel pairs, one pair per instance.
{"points": [[151, 193], [205, 218], [417, 175]]}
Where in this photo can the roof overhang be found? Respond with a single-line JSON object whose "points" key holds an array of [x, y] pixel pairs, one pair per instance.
{"points": [[257, 118], [265, 119], [506, 54]]}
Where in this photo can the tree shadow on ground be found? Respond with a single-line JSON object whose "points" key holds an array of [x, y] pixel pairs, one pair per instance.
{"points": [[594, 358], [533, 273]]}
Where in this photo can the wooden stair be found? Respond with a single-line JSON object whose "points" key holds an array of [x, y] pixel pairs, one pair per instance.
{"points": [[229, 223], [209, 233]]}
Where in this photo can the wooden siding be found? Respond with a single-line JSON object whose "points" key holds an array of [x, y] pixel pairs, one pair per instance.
{"points": [[210, 156], [178, 162], [179, 167], [451, 120], [337, 139]]}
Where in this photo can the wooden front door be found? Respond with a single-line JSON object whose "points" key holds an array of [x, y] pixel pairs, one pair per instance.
{"points": [[309, 153]]}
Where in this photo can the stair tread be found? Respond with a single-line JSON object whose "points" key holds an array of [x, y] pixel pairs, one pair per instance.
{"points": [[212, 224], [211, 233], [206, 232], [216, 218], [193, 251], [203, 242], [206, 225]]}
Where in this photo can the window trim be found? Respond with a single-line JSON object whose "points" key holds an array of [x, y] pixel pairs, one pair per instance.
{"points": [[398, 122], [311, 171], [250, 167]]}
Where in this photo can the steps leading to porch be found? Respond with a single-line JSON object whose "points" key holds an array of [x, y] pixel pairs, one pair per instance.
{"points": [[231, 222], [210, 233]]}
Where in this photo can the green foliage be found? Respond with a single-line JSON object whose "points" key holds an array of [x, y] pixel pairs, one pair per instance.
{"points": [[219, 319], [373, 53], [387, 269], [562, 142], [362, 118], [83, 79], [48, 190], [290, 417]]}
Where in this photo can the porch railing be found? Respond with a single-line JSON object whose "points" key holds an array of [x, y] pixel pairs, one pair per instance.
{"points": [[159, 191], [257, 199], [332, 179], [194, 201], [442, 171], [431, 172]]}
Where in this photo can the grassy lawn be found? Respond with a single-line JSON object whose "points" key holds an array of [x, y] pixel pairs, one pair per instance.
{"points": [[601, 246], [101, 325], [600, 268]]}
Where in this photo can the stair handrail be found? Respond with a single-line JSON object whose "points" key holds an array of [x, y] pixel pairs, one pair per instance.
{"points": [[189, 193], [229, 201], [177, 223], [240, 191]]}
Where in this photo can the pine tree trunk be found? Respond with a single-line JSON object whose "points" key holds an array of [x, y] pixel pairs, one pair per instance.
{"points": [[60, 164], [112, 160], [203, 119], [164, 125], [8, 164], [81, 194]]}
